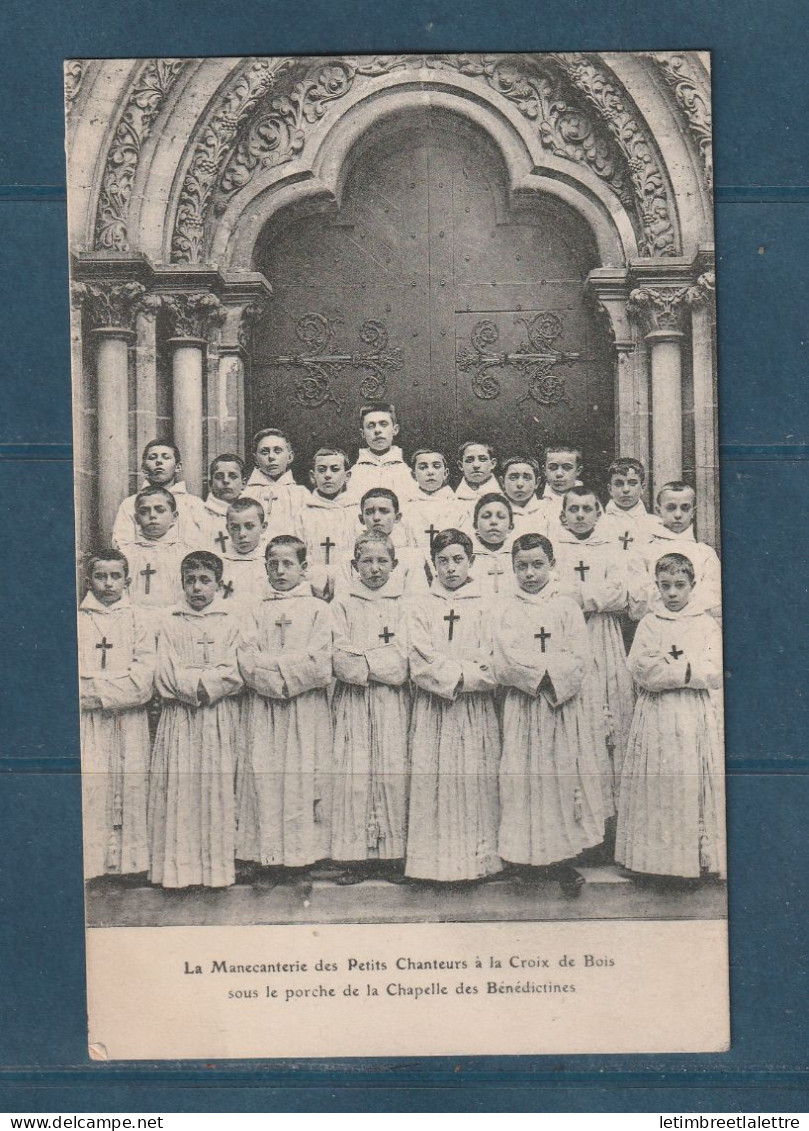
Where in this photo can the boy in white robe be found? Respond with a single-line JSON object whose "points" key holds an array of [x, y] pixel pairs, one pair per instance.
{"points": [[379, 511], [626, 520], [493, 525], [244, 580], [371, 713], [116, 677], [226, 480], [675, 506], [381, 463], [671, 813], [454, 733], [328, 522], [162, 467], [271, 482], [550, 790], [435, 506], [477, 462], [562, 467], [285, 657], [191, 795], [591, 570], [156, 554], [520, 479]]}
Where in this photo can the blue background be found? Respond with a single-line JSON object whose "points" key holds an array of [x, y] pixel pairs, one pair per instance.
{"points": [[761, 104]]}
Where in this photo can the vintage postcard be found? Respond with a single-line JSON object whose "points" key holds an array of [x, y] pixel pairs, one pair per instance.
{"points": [[399, 606]]}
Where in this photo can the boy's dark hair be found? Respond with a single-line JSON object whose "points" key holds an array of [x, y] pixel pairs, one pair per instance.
{"points": [[287, 540], [533, 542], [426, 452], [380, 493], [148, 491], [479, 443], [388, 409], [451, 537], [492, 497], [226, 457], [675, 563], [529, 461], [373, 536], [563, 446], [161, 444], [581, 492], [264, 432], [202, 559], [623, 465], [106, 554], [330, 452], [245, 503], [674, 485]]}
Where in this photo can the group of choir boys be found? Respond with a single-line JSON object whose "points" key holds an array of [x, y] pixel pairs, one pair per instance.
{"points": [[416, 682]]}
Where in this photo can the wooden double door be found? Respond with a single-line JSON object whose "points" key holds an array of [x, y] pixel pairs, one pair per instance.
{"points": [[430, 288]]}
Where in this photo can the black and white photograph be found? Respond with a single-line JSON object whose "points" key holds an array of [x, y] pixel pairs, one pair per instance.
{"points": [[398, 539]]}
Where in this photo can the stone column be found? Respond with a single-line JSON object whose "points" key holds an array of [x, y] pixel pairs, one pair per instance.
{"points": [[191, 317], [700, 299], [111, 310], [234, 350]]}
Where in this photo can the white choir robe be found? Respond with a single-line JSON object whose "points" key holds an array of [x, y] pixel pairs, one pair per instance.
{"points": [[671, 812], [285, 780], [551, 805], [438, 511], [192, 818], [244, 578], [388, 470], [454, 738], [371, 714], [530, 519], [281, 498], [631, 528], [412, 566], [191, 525], [216, 537], [467, 497], [602, 596], [643, 593], [493, 570], [154, 566], [116, 665], [328, 527]]}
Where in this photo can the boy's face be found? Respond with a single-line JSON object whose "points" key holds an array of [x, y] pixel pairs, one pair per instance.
{"points": [[378, 514], [626, 489], [430, 472], [520, 483], [675, 589], [108, 581], [227, 481], [676, 510], [160, 466], [200, 586], [155, 517], [533, 569], [283, 568], [562, 470], [378, 431], [245, 529], [329, 475], [273, 456], [493, 523], [374, 565], [477, 465], [581, 513], [452, 564]]}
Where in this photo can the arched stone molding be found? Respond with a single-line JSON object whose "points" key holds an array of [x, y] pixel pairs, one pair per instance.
{"points": [[335, 144]]}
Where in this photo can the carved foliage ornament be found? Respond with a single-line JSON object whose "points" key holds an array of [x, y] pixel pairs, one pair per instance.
{"points": [[74, 73], [534, 359], [110, 306], [247, 324], [149, 90], [193, 315], [324, 363], [660, 307], [272, 103], [693, 97]]}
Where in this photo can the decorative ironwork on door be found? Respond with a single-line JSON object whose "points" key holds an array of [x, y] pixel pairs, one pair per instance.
{"points": [[324, 364], [535, 359]]}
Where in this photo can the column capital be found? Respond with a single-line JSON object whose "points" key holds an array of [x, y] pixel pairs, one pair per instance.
{"points": [[703, 292], [192, 315], [609, 288], [660, 308], [111, 307]]}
